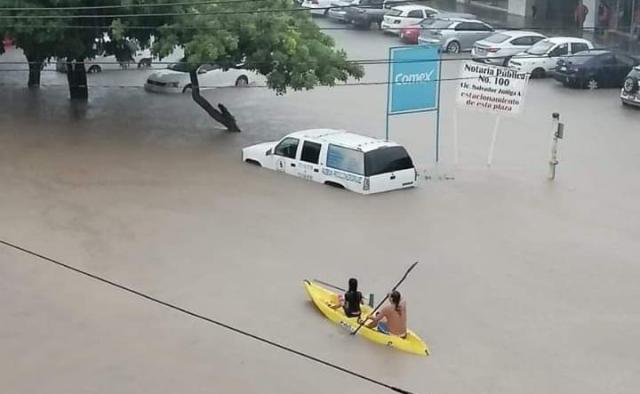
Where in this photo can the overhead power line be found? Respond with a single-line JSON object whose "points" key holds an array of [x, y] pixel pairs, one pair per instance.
{"points": [[227, 12], [202, 317], [364, 62], [211, 87], [134, 5], [214, 28]]}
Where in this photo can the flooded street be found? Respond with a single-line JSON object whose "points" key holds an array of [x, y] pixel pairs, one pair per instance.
{"points": [[524, 285]]}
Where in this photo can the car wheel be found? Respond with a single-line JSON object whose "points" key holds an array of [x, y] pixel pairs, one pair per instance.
{"points": [[242, 81], [453, 47], [144, 63], [253, 162], [94, 69], [334, 184], [630, 85], [538, 73], [187, 89], [592, 83]]}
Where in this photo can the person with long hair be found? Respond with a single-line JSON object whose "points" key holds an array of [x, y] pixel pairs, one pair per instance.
{"points": [[351, 300], [391, 318]]}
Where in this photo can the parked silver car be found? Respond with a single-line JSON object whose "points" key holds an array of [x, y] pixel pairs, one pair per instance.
{"points": [[500, 47], [454, 34]]}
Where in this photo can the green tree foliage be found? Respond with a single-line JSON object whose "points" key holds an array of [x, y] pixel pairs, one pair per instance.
{"points": [[272, 37]]}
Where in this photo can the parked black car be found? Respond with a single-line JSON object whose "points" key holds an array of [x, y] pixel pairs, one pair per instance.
{"points": [[593, 69], [630, 93]]}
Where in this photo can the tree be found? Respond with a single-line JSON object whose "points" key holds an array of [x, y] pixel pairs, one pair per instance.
{"points": [[272, 37], [61, 29], [36, 37]]}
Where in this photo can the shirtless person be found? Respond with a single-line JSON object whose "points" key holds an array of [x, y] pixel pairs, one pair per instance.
{"points": [[391, 318]]}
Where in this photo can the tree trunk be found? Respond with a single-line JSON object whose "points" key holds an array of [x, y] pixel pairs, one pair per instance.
{"points": [[35, 67], [221, 115], [77, 80]]}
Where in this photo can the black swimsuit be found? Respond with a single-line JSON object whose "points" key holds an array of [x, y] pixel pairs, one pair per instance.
{"points": [[352, 302]]}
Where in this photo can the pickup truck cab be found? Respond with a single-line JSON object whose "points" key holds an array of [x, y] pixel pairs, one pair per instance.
{"points": [[337, 158], [367, 13]]}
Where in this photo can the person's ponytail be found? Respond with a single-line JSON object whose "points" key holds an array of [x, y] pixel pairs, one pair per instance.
{"points": [[395, 300]]}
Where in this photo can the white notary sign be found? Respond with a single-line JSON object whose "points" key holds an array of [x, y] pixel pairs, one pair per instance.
{"points": [[490, 88]]}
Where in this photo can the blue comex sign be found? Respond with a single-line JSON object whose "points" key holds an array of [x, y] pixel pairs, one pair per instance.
{"points": [[414, 74], [414, 83]]}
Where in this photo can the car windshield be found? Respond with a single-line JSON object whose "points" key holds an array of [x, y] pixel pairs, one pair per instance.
{"points": [[394, 12], [540, 48], [436, 24], [386, 159], [180, 67], [497, 38]]}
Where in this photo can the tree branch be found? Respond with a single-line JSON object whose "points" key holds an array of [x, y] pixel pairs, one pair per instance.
{"points": [[221, 115]]}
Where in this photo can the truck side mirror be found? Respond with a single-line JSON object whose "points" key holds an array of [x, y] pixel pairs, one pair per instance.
{"points": [[269, 152]]}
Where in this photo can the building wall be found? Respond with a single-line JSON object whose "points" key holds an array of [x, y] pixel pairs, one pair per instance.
{"points": [[592, 16], [520, 7], [553, 9]]}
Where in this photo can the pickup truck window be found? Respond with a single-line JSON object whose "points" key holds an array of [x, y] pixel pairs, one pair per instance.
{"points": [[345, 159], [287, 148], [310, 152], [387, 159]]}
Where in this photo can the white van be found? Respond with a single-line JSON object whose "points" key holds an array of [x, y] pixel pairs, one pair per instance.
{"points": [[337, 158]]}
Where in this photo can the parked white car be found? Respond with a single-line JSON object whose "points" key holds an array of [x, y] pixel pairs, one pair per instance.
{"points": [[104, 62], [176, 79], [405, 15], [338, 158], [317, 7], [500, 47], [543, 56]]}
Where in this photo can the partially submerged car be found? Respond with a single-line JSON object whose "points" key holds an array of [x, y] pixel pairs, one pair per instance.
{"points": [[338, 158]]}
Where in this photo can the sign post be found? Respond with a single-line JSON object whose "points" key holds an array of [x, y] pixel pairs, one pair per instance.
{"points": [[493, 89], [414, 83]]}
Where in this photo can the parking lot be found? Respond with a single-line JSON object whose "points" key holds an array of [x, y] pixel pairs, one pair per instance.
{"points": [[524, 285]]}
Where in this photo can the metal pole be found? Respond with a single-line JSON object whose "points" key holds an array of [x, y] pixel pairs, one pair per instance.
{"points": [[455, 136], [555, 121], [438, 111], [386, 133], [494, 137], [632, 20]]}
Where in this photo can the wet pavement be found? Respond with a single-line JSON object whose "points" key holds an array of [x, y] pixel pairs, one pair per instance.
{"points": [[523, 285]]}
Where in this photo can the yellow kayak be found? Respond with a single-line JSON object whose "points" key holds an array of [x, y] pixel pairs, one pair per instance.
{"points": [[324, 299]]}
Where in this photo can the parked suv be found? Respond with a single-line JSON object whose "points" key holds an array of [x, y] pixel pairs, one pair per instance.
{"points": [[630, 94], [405, 15], [337, 158], [454, 35]]}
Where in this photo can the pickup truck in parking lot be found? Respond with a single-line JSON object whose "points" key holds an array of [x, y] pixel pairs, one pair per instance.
{"points": [[367, 13]]}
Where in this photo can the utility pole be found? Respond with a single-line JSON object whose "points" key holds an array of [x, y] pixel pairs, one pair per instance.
{"points": [[558, 133]]}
